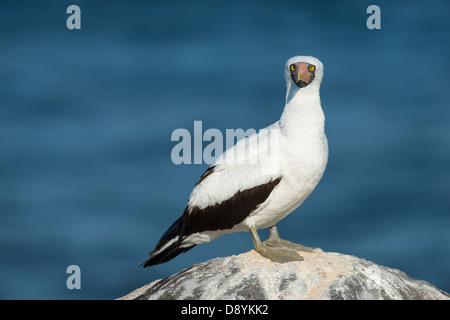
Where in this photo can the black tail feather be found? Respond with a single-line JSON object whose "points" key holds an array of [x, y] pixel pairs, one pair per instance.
{"points": [[171, 251], [164, 256]]}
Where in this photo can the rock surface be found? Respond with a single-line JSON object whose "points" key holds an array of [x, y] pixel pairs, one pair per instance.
{"points": [[322, 276]]}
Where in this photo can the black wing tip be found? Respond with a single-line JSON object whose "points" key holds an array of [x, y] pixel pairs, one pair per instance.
{"points": [[165, 256], [176, 229], [158, 256]]}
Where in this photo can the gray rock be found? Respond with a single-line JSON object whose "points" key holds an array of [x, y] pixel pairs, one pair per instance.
{"points": [[322, 276]]}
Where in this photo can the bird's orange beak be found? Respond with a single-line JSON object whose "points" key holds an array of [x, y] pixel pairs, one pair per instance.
{"points": [[302, 73]]}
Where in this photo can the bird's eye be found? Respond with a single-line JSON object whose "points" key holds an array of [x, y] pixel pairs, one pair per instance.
{"points": [[311, 68], [292, 67]]}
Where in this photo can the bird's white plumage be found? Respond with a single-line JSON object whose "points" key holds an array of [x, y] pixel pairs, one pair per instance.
{"points": [[253, 159], [294, 148]]}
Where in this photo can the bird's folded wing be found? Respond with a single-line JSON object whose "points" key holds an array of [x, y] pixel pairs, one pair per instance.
{"points": [[251, 162]]}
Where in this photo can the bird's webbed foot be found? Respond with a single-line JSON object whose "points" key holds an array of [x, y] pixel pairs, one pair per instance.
{"points": [[276, 242], [280, 254]]}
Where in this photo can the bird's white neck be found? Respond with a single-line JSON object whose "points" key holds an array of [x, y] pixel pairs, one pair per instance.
{"points": [[302, 115]]}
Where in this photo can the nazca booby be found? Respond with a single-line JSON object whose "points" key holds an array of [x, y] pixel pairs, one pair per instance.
{"points": [[242, 194]]}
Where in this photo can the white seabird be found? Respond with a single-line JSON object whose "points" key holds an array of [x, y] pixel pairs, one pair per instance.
{"points": [[262, 178]]}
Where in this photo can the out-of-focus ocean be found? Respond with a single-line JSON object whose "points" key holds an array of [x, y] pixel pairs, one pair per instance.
{"points": [[86, 118]]}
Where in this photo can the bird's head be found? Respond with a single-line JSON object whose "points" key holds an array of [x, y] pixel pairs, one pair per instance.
{"points": [[304, 70], [301, 73]]}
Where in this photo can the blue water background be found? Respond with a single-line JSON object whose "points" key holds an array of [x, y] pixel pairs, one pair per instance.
{"points": [[86, 118]]}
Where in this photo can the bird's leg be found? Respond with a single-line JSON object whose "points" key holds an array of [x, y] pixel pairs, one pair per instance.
{"points": [[277, 254], [275, 241]]}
